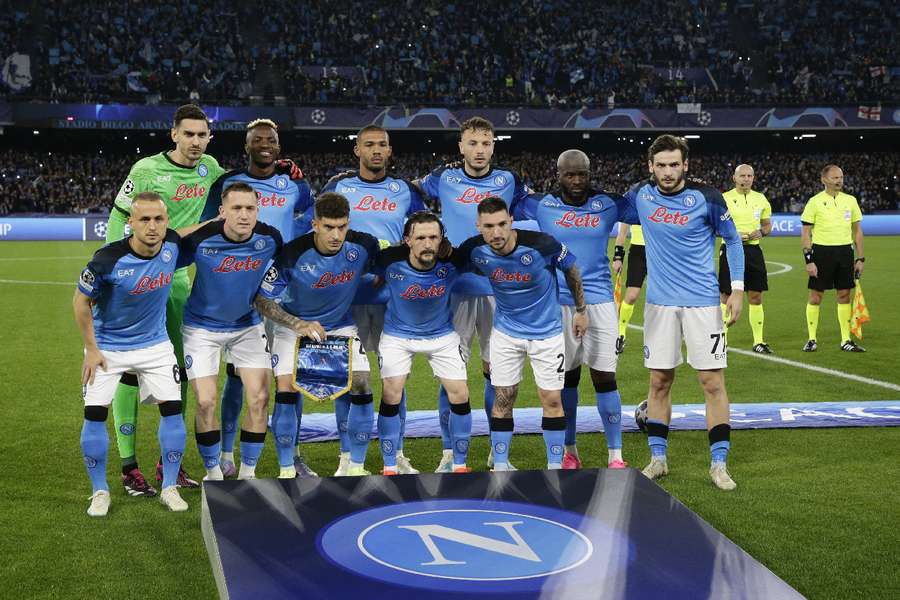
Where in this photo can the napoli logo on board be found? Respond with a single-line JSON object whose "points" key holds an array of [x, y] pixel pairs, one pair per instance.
{"points": [[466, 545]]}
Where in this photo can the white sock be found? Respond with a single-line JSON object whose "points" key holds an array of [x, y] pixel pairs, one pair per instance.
{"points": [[615, 454], [246, 472], [215, 474], [229, 456], [573, 450]]}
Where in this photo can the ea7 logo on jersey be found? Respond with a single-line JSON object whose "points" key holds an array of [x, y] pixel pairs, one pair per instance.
{"points": [[125, 272], [398, 276]]}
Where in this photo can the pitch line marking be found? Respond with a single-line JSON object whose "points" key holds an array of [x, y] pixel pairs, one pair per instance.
{"points": [[29, 282], [45, 258], [817, 369], [784, 267]]}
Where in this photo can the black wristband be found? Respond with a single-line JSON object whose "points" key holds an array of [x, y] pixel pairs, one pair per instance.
{"points": [[860, 259], [619, 253], [807, 255]]}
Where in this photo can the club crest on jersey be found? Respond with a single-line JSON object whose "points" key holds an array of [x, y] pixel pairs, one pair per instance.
{"points": [[280, 183], [202, 170], [166, 255], [394, 186], [352, 254], [259, 244], [499, 180], [442, 272], [689, 201], [596, 205], [527, 259], [188, 361]]}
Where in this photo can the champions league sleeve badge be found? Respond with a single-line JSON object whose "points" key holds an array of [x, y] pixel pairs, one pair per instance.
{"points": [[323, 370]]}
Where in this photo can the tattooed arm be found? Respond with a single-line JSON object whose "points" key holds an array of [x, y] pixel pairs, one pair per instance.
{"points": [[272, 310], [576, 286]]}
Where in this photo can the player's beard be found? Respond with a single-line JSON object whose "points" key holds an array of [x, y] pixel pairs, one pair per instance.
{"points": [[673, 186], [427, 259]]}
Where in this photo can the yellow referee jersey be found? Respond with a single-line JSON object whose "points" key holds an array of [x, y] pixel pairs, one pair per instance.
{"points": [[747, 210], [831, 218], [637, 235]]}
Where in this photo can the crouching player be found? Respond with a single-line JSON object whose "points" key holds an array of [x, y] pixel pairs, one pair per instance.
{"points": [[520, 266], [232, 256], [318, 275], [418, 320], [120, 309]]}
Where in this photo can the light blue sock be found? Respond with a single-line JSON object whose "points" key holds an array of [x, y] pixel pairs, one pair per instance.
{"points": [[500, 441], [461, 431], [553, 442], [389, 433], [570, 407], [609, 405], [251, 447], [209, 453], [402, 420], [444, 417], [95, 447], [719, 451], [232, 401], [359, 425], [341, 412], [284, 426], [172, 440]]}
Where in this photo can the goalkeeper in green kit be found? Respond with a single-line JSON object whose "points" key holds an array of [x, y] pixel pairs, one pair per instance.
{"points": [[182, 177]]}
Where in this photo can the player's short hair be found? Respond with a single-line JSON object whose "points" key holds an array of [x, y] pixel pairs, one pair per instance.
{"points": [[147, 197], [237, 186], [262, 123], [332, 205], [369, 128], [421, 216], [189, 111], [491, 205], [476, 124], [826, 169], [667, 143]]}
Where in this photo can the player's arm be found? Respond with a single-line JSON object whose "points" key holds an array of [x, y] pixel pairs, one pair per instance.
{"points": [[272, 310], [214, 198], [576, 287], [88, 288], [619, 247], [525, 209], [806, 245], [521, 193], [765, 221], [723, 225]]}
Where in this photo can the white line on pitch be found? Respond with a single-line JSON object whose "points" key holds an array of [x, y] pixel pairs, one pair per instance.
{"points": [[784, 267], [45, 258], [28, 282], [800, 365]]}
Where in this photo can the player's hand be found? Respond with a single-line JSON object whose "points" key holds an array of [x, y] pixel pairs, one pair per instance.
{"points": [[617, 266], [756, 234], [93, 359], [858, 267], [310, 329], [286, 166], [580, 324], [811, 270], [445, 249], [745, 237], [733, 307]]}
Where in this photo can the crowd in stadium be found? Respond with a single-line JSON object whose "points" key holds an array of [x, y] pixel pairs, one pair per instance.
{"points": [[77, 183], [527, 53]]}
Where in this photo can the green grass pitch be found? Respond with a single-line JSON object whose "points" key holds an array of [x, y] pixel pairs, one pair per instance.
{"points": [[818, 507]]}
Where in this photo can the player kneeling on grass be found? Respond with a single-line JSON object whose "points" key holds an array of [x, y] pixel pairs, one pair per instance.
{"points": [[120, 309], [232, 256], [318, 275], [418, 320], [520, 266]]}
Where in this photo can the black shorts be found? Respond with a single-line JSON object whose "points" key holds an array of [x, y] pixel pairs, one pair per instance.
{"points": [[835, 267], [637, 266], [756, 278]]}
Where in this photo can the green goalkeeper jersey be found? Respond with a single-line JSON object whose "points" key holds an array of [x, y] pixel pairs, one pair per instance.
{"points": [[183, 189]]}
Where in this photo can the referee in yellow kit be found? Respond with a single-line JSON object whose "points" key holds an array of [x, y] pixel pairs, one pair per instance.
{"points": [[832, 225], [752, 216]]}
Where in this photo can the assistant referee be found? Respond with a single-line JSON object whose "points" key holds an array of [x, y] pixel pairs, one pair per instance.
{"points": [[752, 216], [832, 225]]}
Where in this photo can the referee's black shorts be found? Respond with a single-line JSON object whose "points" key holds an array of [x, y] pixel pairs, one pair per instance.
{"points": [[637, 266], [835, 268], [756, 278]]}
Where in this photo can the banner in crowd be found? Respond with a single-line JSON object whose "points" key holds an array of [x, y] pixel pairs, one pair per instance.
{"points": [[93, 228], [126, 116]]}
